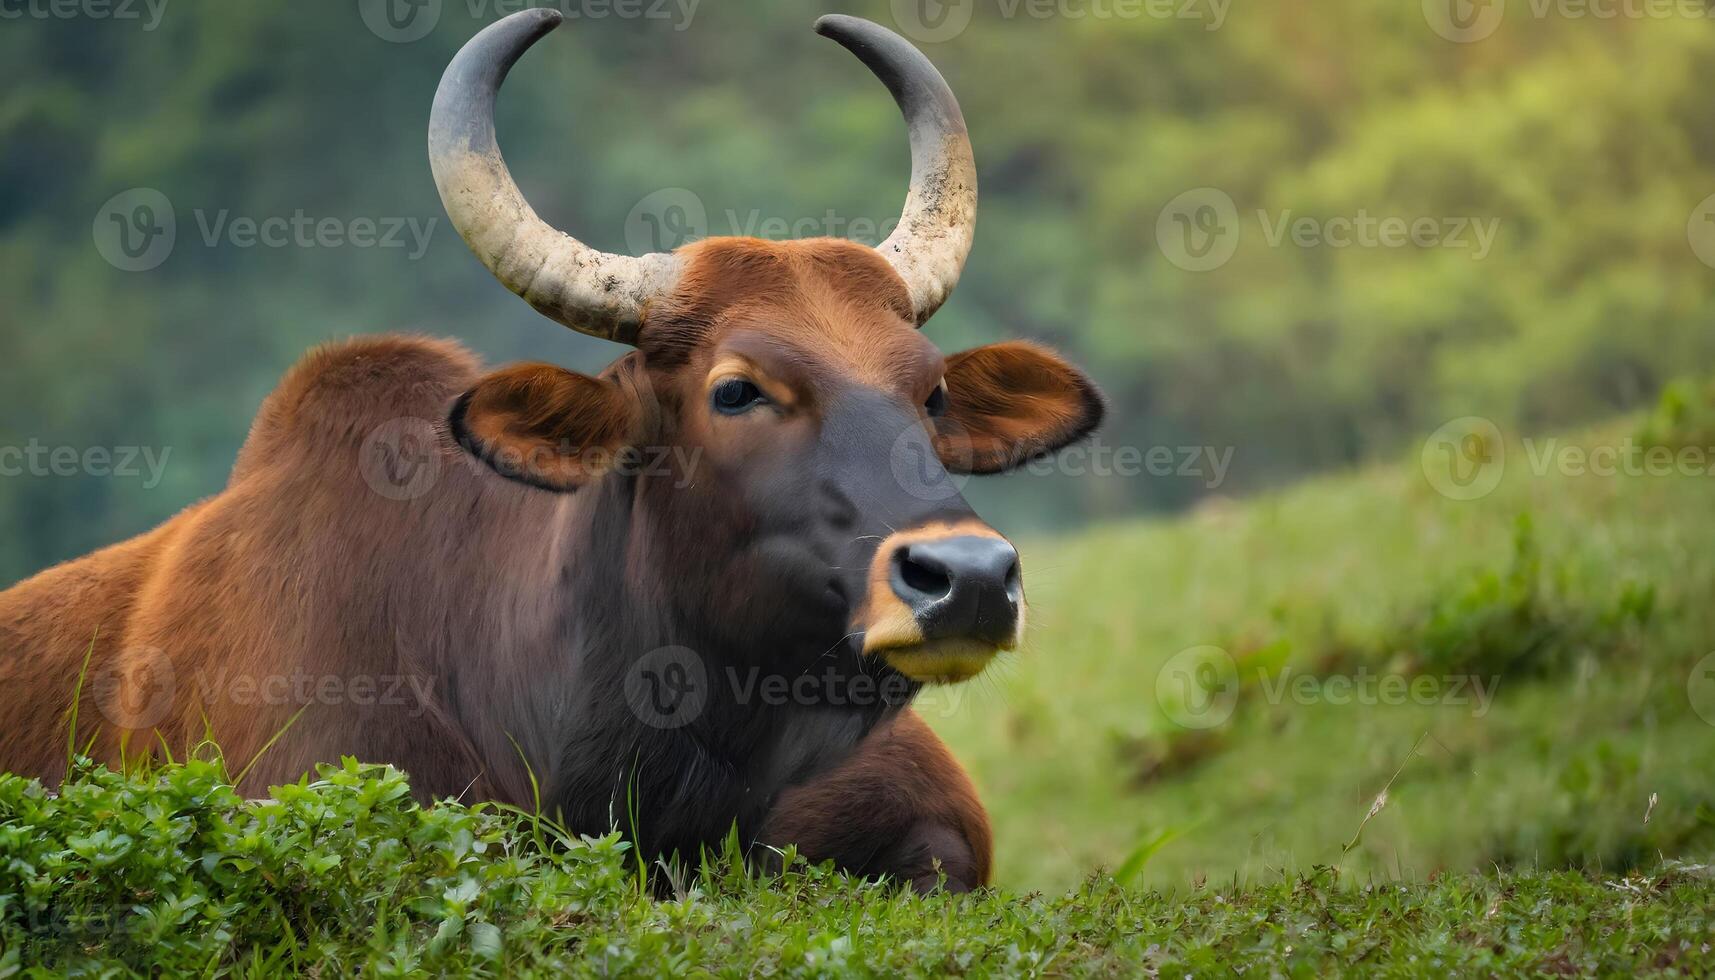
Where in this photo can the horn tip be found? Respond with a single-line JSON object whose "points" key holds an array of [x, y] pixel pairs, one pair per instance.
{"points": [[835, 25], [527, 26], [546, 16]]}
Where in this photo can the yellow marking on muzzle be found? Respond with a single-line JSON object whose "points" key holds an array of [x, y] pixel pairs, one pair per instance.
{"points": [[941, 661], [893, 634]]}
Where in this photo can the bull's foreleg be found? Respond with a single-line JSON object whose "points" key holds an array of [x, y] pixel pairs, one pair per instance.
{"points": [[900, 806]]}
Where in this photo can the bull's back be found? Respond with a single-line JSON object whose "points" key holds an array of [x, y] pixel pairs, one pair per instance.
{"points": [[49, 625], [281, 575]]}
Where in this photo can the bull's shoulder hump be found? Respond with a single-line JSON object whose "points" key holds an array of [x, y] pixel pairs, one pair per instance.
{"points": [[340, 391]]}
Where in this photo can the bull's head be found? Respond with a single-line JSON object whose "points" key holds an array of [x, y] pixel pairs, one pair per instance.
{"points": [[817, 432]]}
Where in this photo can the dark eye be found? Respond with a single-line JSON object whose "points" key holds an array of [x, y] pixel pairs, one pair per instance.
{"points": [[735, 396], [936, 406]]}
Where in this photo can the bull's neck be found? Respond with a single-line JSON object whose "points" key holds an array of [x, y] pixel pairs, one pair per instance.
{"points": [[630, 708]]}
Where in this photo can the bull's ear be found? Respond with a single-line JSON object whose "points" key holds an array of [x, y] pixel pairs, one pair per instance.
{"points": [[545, 426], [1010, 403]]}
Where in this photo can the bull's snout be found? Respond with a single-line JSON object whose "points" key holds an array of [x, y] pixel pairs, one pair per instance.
{"points": [[943, 600], [966, 587]]}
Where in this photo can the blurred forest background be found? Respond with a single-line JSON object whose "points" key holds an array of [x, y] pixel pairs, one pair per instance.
{"points": [[1590, 142]]}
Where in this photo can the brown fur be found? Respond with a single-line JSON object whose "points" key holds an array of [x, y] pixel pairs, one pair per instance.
{"points": [[1011, 402], [920, 816], [293, 569]]}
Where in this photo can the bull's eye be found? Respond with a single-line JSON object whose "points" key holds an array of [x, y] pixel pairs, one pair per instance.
{"points": [[735, 396], [936, 406]]}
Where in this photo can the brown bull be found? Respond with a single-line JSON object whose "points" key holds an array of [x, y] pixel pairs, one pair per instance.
{"points": [[699, 588]]}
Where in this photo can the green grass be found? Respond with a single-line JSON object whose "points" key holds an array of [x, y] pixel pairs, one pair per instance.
{"points": [[173, 873], [1565, 826], [1589, 628]]}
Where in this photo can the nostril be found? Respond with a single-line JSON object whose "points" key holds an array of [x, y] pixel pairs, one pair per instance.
{"points": [[966, 587], [924, 579]]}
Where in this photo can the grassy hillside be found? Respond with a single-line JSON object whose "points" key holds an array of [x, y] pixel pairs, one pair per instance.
{"points": [[176, 875], [1580, 602], [1252, 717]]}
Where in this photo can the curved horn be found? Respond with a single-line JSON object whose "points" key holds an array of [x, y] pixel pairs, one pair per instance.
{"points": [[590, 291], [929, 247]]}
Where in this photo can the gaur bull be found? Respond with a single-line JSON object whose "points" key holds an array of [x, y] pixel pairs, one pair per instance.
{"points": [[488, 577]]}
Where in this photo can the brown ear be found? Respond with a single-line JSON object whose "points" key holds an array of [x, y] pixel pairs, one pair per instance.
{"points": [[1010, 403], [546, 426]]}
